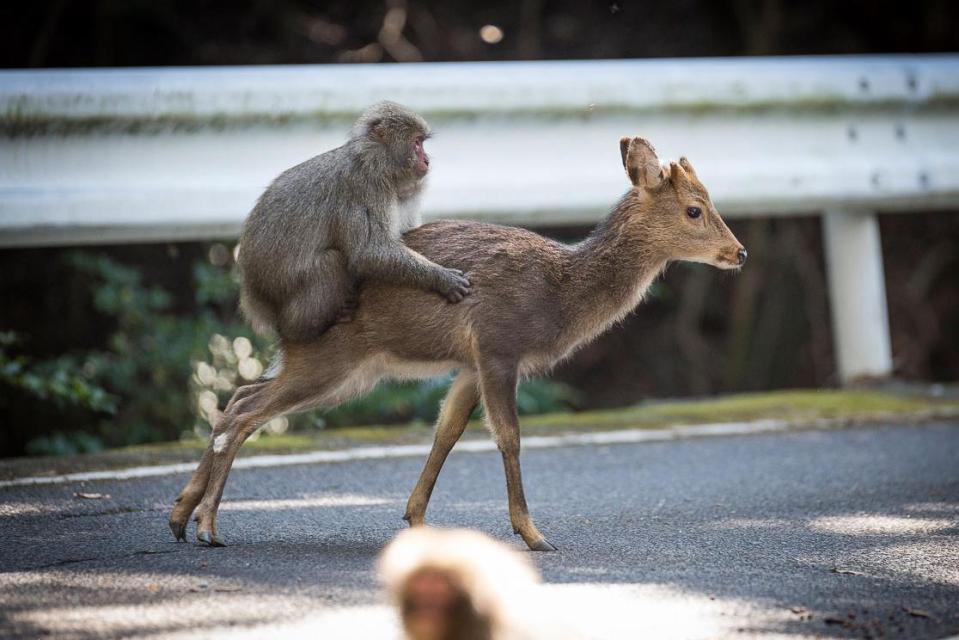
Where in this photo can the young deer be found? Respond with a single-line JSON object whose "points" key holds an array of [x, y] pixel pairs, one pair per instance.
{"points": [[534, 301]]}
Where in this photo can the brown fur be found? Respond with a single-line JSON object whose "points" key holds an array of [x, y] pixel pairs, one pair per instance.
{"points": [[534, 301]]}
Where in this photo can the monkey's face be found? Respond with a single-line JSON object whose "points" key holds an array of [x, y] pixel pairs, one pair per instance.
{"points": [[400, 133], [429, 606], [421, 161]]}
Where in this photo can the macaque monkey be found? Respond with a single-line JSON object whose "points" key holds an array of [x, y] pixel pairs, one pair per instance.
{"points": [[456, 584], [329, 223]]}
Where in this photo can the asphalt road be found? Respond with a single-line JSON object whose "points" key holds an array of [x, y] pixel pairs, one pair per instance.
{"points": [[750, 536]]}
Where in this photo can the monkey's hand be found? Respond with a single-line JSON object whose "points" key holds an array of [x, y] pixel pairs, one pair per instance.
{"points": [[453, 284]]}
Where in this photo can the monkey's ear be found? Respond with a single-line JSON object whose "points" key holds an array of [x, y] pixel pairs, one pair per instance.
{"points": [[641, 162], [378, 129]]}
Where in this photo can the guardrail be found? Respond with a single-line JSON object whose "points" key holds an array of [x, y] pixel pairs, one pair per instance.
{"points": [[141, 155]]}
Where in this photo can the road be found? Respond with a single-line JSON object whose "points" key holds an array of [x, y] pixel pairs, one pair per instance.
{"points": [[745, 536]]}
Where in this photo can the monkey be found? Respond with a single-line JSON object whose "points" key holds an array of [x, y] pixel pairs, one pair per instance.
{"points": [[324, 226], [456, 584]]}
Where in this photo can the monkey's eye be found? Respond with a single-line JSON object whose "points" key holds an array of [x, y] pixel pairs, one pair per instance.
{"points": [[694, 212]]}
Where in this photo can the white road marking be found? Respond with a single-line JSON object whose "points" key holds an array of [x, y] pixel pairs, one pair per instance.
{"points": [[624, 436]]}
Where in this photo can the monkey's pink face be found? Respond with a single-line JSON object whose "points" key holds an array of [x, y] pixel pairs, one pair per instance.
{"points": [[421, 161]]}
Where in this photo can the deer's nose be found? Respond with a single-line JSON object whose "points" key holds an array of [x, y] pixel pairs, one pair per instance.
{"points": [[741, 255]]}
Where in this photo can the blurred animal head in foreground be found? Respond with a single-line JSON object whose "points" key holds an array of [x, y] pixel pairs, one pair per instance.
{"points": [[454, 583]]}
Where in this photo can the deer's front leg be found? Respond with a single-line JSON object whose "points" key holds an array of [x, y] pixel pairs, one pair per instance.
{"points": [[498, 384], [454, 414]]}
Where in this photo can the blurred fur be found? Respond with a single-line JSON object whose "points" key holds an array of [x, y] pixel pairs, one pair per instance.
{"points": [[490, 581]]}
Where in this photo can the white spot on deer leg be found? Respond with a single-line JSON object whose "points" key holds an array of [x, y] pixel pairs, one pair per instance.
{"points": [[220, 442]]}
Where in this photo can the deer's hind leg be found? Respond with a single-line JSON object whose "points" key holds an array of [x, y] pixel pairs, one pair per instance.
{"points": [[454, 414], [284, 394], [320, 374], [193, 492]]}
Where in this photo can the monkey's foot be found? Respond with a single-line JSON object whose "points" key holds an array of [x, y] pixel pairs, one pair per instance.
{"points": [[541, 545], [209, 539]]}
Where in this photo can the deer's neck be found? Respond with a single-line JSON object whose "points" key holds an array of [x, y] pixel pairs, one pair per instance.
{"points": [[613, 268]]}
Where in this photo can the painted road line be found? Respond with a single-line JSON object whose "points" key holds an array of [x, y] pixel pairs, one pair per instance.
{"points": [[624, 436]]}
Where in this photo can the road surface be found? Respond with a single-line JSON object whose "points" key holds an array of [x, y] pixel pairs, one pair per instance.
{"points": [[839, 533]]}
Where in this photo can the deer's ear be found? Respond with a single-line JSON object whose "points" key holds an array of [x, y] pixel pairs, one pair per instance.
{"points": [[624, 148], [641, 162]]}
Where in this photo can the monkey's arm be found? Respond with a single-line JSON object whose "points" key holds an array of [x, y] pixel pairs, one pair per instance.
{"points": [[393, 262], [378, 255]]}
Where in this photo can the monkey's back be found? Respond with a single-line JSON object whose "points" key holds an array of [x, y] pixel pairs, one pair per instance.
{"points": [[293, 222], [288, 224]]}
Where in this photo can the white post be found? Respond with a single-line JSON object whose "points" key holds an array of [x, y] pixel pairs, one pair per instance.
{"points": [[857, 294]]}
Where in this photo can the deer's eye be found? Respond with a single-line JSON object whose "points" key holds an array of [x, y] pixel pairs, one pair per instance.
{"points": [[694, 212]]}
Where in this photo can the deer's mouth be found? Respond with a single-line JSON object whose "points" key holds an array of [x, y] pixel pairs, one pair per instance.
{"points": [[730, 260]]}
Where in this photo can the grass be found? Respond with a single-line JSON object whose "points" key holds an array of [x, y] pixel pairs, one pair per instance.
{"points": [[800, 408]]}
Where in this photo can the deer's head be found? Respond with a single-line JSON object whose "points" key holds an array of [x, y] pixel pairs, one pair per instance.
{"points": [[677, 211]]}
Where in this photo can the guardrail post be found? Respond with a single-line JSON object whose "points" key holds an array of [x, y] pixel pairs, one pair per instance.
{"points": [[857, 293]]}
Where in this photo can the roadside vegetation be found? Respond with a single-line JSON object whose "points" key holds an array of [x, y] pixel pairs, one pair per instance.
{"points": [[163, 376], [161, 373], [801, 409]]}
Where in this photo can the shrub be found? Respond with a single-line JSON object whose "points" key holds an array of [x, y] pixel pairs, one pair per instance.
{"points": [[164, 376]]}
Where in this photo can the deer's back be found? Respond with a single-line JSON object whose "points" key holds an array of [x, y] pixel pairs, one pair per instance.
{"points": [[515, 307]]}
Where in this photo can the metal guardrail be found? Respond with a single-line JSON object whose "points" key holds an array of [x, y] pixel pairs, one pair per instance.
{"points": [[140, 155]]}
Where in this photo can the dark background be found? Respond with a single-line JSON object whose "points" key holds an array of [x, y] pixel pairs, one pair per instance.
{"points": [[77, 33], [702, 332]]}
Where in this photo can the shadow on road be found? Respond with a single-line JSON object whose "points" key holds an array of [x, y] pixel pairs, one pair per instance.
{"points": [[852, 534]]}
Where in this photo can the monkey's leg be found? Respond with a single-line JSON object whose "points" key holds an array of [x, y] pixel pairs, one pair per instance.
{"points": [[454, 414], [314, 308], [193, 492], [498, 384]]}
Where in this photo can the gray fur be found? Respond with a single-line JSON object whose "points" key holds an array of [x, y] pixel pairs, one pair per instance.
{"points": [[334, 220]]}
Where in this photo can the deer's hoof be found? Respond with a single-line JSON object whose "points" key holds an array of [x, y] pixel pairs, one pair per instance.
{"points": [[179, 530], [209, 539], [541, 545], [413, 521]]}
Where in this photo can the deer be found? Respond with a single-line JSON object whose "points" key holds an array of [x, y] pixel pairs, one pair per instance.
{"points": [[534, 301]]}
